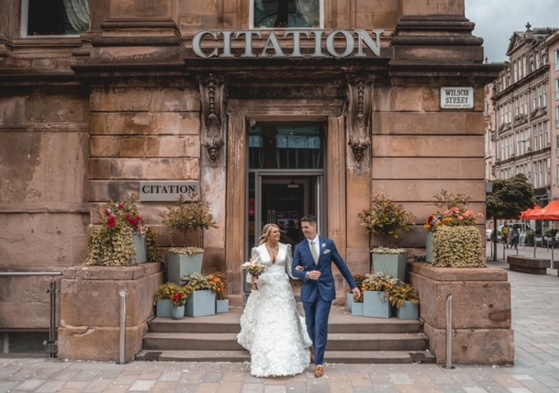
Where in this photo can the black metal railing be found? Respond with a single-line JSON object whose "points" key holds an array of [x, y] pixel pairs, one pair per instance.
{"points": [[52, 343]]}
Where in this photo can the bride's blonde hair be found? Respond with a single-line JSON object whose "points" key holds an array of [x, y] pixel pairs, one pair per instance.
{"points": [[266, 232]]}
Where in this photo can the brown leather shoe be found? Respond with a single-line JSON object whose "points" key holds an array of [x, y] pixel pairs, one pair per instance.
{"points": [[312, 355], [319, 371]]}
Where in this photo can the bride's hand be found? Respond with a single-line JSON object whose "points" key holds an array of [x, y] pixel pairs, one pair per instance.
{"points": [[300, 268]]}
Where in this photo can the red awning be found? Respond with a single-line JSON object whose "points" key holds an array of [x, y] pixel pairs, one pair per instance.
{"points": [[529, 214], [548, 213]]}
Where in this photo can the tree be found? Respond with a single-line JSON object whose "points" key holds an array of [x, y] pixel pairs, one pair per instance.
{"points": [[509, 198]]}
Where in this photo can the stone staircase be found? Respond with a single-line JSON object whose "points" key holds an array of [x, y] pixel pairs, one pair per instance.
{"points": [[351, 339]]}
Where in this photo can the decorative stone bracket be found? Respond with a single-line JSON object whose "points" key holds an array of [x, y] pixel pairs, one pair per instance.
{"points": [[212, 93], [359, 112]]}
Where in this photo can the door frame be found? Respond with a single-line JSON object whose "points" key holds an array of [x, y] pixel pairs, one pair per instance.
{"points": [[239, 113]]}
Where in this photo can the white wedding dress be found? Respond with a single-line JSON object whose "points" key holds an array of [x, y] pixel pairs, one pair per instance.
{"points": [[271, 328]]}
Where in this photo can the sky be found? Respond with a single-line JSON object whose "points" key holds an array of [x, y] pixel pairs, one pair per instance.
{"points": [[497, 20]]}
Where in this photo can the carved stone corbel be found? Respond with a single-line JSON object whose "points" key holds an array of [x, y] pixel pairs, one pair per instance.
{"points": [[212, 93], [358, 114]]}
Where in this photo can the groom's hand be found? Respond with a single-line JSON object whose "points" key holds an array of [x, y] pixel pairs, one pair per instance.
{"points": [[314, 274], [356, 293]]}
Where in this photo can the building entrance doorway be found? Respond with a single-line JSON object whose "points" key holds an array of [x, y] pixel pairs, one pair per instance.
{"points": [[285, 179]]}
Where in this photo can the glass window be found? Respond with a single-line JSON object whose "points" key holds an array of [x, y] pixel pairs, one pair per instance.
{"points": [[286, 146], [287, 13], [55, 17]]}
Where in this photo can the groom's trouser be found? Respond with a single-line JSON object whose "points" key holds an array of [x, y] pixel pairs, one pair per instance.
{"points": [[316, 317]]}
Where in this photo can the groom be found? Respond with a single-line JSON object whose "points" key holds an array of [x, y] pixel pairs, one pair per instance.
{"points": [[312, 263]]}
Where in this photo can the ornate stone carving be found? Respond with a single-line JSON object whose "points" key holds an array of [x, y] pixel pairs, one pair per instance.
{"points": [[212, 94], [358, 115]]}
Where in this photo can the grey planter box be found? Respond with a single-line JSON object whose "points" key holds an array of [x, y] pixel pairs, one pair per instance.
{"points": [[375, 305], [349, 301], [200, 303], [164, 307], [180, 265], [393, 264], [408, 311], [357, 309], [140, 246], [221, 306], [429, 253]]}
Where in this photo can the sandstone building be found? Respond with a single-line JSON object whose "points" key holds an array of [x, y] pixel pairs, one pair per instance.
{"points": [[274, 109]]}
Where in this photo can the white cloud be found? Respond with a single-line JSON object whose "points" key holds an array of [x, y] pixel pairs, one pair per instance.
{"points": [[496, 20]]}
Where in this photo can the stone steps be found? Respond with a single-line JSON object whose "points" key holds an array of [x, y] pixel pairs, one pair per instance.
{"points": [[351, 339]]}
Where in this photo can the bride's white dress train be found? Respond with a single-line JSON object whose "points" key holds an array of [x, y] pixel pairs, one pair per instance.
{"points": [[271, 328]]}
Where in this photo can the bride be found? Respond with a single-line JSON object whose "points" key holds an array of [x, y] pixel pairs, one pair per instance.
{"points": [[271, 328]]}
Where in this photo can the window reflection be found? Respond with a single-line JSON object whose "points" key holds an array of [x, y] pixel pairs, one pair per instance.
{"points": [[286, 147], [286, 13]]}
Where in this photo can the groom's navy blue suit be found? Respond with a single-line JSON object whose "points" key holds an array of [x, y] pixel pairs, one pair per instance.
{"points": [[317, 295]]}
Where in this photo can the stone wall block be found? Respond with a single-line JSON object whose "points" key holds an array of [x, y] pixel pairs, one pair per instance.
{"points": [[173, 146], [432, 7], [103, 146], [141, 99], [56, 109], [99, 168], [481, 309], [202, 7], [426, 145], [12, 111], [441, 123], [132, 147], [451, 54], [162, 169], [143, 9], [428, 168], [374, 6], [140, 54], [406, 99], [99, 343], [423, 190], [358, 260], [160, 123]]}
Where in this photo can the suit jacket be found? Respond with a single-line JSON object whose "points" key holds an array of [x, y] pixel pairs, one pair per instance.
{"points": [[325, 286]]}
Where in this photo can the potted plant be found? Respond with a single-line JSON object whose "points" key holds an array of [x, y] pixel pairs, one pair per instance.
{"points": [[218, 282], [163, 298], [187, 217], [387, 220], [452, 235], [376, 292], [404, 297], [201, 301], [178, 302], [349, 295], [120, 240]]}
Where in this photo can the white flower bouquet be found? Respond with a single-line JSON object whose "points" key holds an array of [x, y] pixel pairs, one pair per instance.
{"points": [[255, 268]]}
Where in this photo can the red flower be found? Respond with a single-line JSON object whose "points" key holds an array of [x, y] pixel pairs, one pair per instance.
{"points": [[111, 222]]}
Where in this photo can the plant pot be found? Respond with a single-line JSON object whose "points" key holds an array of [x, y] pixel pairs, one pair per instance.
{"points": [[376, 305], [164, 308], [140, 247], [221, 306], [408, 311], [392, 264], [180, 265], [429, 254], [357, 309], [201, 303], [177, 312], [349, 300]]}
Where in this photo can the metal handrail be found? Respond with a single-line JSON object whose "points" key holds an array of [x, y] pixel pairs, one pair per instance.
{"points": [[51, 343]]}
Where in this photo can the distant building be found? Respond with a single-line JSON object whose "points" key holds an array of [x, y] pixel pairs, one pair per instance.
{"points": [[521, 106]]}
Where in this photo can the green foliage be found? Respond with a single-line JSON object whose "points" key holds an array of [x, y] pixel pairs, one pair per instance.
{"points": [[458, 246], [388, 250], [111, 246], [186, 250], [510, 198], [396, 291], [386, 218], [446, 200], [189, 216], [152, 246], [197, 282], [167, 291]]}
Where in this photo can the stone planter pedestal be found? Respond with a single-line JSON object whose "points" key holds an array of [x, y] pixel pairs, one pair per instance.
{"points": [[481, 309], [90, 310]]}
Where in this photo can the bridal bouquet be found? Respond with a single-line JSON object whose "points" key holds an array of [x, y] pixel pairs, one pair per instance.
{"points": [[255, 269]]}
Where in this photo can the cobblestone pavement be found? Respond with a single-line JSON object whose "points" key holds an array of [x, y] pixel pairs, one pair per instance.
{"points": [[536, 328]]}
